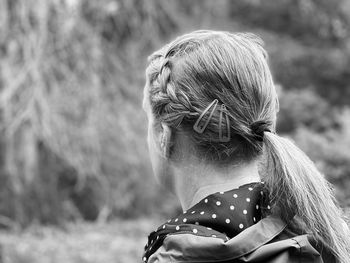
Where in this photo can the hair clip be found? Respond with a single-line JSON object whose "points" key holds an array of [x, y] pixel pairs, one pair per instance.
{"points": [[227, 137], [200, 125]]}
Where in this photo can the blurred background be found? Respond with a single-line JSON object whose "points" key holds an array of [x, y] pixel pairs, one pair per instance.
{"points": [[76, 182]]}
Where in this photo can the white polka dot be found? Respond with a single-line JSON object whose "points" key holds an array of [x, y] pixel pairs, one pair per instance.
{"points": [[163, 226], [184, 220], [250, 189], [241, 226], [235, 195], [261, 192], [157, 237], [169, 220], [205, 200], [209, 228], [196, 223], [177, 228], [213, 235], [193, 212], [218, 203], [232, 207], [221, 193], [213, 215], [248, 200], [195, 231], [227, 221], [144, 258], [245, 212], [257, 206], [268, 207], [185, 212], [254, 219], [176, 220], [202, 213]]}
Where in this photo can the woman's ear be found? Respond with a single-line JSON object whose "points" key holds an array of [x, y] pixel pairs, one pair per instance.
{"points": [[166, 140]]}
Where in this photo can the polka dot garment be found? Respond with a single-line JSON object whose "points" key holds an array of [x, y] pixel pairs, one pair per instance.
{"points": [[220, 215]]}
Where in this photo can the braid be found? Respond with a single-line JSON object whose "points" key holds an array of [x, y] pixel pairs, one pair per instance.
{"points": [[170, 104], [182, 85]]}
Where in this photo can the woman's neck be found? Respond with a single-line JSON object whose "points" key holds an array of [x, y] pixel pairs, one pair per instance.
{"points": [[194, 182]]}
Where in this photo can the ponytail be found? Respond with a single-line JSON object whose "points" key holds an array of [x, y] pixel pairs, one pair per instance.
{"points": [[298, 188]]}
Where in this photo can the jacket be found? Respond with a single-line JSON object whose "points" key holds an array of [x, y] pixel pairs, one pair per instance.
{"points": [[269, 240]]}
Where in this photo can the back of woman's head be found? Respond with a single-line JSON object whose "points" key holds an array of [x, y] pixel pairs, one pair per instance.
{"points": [[191, 72], [217, 89]]}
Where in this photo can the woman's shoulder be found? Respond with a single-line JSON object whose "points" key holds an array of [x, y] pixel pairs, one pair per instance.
{"points": [[269, 240]]}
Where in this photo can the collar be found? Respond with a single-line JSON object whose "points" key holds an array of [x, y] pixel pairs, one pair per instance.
{"points": [[209, 189], [222, 215]]}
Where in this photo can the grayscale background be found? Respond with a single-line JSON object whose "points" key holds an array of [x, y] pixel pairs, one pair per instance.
{"points": [[75, 179]]}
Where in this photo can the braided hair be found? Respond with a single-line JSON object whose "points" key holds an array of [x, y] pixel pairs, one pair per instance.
{"points": [[177, 103]]}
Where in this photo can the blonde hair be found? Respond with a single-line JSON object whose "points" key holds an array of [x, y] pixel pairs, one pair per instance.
{"points": [[186, 75]]}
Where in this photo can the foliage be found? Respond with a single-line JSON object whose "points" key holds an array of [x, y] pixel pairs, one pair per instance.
{"points": [[65, 118], [305, 109], [315, 37], [118, 242], [308, 20]]}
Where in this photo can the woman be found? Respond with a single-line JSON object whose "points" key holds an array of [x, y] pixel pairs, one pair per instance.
{"points": [[211, 106]]}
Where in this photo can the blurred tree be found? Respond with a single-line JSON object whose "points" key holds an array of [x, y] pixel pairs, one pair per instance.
{"points": [[321, 30], [46, 59], [317, 22], [69, 114], [304, 108]]}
